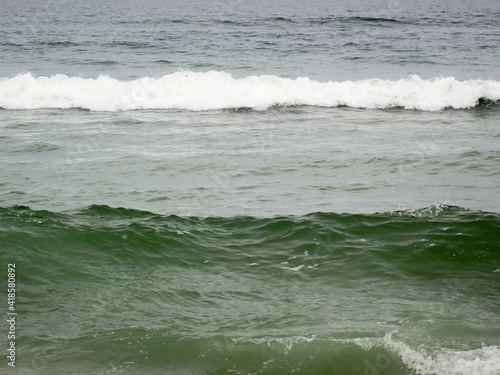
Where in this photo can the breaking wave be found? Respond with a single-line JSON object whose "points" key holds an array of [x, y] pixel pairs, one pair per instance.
{"points": [[215, 90]]}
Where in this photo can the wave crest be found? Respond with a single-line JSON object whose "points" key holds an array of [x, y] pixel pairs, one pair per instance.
{"points": [[215, 90]]}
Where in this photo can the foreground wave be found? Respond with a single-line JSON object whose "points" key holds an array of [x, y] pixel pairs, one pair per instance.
{"points": [[116, 290], [164, 354], [201, 91]]}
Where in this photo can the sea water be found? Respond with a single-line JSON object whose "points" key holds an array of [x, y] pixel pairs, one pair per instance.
{"points": [[249, 188]]}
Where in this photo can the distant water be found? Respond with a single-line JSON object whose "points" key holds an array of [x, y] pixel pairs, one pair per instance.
{"points": [[249, 188]]}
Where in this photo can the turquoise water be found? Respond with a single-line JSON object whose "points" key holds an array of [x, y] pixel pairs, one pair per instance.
{"points": [[243, 188]]}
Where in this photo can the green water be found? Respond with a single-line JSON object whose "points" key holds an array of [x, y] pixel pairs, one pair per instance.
{"points": [[111, 288], [250, 188]]}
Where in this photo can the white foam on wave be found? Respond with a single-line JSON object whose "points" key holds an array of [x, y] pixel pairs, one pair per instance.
{"points": [[287, 342], [481, 361], [199, 91], [430, 212]]}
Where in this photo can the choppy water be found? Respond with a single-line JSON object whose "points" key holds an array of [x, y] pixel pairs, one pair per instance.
{"points": [[231, 187]]}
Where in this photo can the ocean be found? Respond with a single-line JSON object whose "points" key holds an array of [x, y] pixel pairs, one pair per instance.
{"points": [[238, 187]]}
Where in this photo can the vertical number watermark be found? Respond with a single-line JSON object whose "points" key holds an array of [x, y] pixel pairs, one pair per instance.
{"points": [[11, 314]]}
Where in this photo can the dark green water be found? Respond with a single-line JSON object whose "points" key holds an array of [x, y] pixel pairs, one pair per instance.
{"points": [[115, 290]]}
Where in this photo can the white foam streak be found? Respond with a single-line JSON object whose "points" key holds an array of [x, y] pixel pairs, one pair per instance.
{"points": [[287, 342], [213, 90], [483, 361]]}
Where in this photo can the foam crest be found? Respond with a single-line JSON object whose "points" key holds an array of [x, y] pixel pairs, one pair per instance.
{"points": [[200, 91], [428, 212], [482, 361]]}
